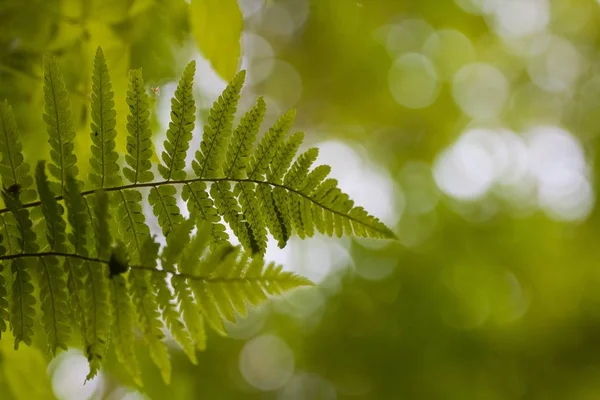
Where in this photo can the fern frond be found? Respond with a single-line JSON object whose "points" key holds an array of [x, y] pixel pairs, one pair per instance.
{"points": [[53, 285], [146, 305], [259, 162], [278, 227], [179, 134], [200, 205], [175, 244], [101, 227], [4, 314], [226, 280], [22, 289], [284, 157], [139, 138], [104, 271], [249, 203], [131, 222], [229, 208], [104, 157], [90, 278], [242, 141], [189, 257], [164, 205], [57, 116], [217, 132], [122, 327], [77, 216], [14, 171]]}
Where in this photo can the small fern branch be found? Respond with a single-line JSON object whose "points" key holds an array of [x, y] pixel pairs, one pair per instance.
{"points": [[371, 224]]}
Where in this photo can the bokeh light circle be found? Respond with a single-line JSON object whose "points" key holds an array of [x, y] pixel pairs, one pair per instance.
{"points": [[413, 81], [480, 90], [449, 50], [266, 362]]}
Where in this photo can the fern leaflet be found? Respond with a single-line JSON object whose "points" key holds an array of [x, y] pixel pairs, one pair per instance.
{"points": [[60, 127], [104, 157], [139, 138]]}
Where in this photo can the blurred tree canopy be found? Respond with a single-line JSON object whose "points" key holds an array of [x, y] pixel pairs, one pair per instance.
{"points": [[480, 117]]}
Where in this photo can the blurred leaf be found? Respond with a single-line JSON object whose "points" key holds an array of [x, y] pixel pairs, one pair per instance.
{"points": [[140, 6], [217, 28], [23, 373], [108, 11]]}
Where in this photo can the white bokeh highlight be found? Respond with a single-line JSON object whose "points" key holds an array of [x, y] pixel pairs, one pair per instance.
{"points": [[266, 362], [480, 90], [545, 167], [557, 161], [449, 50], [517, 18], [413, 81], [557, 68], [68, 372]]}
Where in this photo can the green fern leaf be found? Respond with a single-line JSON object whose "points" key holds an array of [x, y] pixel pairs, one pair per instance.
{"points": [[187, 260], [242, 141], [203, 278], [191, 314], [52, 211], [4, 315], [299, 171], [227, 280], [14, 171], [283, 159], [22, 311], [132, 223], [164, 205], [171, 317], [122, 326], [104, 157], [201, 205], [228, 207], [314, 178], [245, 191], [259, 162], [179, 134], [101, 226], [77, 216], [22, 290], [139, 138], [175, 244], [295, 206], [217, 132], [145, 302], [91, 279], [53, 285], [100, 329], [60, 127], [279, 228]]}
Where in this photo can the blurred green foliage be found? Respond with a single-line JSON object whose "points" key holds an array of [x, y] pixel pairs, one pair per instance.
{"points": [[483, 305]]}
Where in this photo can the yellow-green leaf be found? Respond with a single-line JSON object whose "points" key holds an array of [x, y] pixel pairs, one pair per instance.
{"points": [[217, 28]]}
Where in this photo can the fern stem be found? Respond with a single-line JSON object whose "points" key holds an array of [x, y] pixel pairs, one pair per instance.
{"points": [[51, 254], [209, 180], [207, 279]]}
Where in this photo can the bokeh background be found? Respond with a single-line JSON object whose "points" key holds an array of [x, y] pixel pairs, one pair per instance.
{"points": [[470, 127]]}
